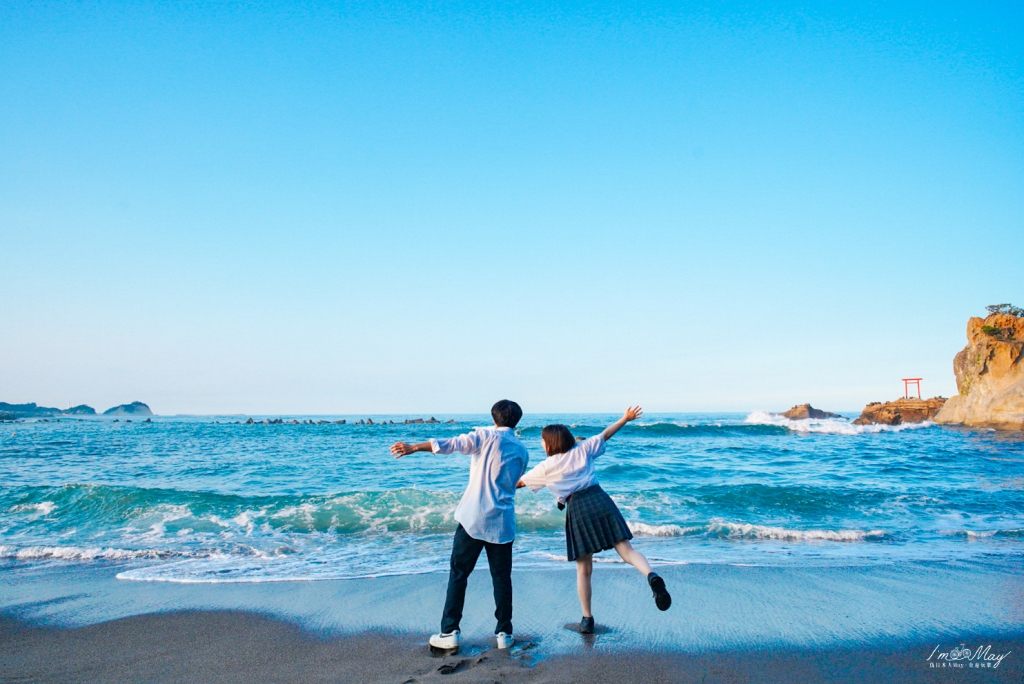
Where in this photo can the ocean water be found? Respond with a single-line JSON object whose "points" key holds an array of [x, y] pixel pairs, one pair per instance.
{"points": [[210, 500]]}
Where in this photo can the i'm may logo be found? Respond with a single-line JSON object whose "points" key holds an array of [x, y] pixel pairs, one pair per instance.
{"points": [[963, 657]]}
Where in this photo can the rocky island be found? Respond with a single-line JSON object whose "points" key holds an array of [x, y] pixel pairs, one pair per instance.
{"points": [[805, 411], [989, 373], [136, 408], [907, 410]]}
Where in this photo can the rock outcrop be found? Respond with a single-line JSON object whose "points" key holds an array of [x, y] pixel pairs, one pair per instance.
{"points": [[136, 408], [989, 375], [805, 411], [900, 411]]}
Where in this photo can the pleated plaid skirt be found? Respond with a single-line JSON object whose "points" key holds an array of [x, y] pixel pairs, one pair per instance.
{"points": [[592, 523]]}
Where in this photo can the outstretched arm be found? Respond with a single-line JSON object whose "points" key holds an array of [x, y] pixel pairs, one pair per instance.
{"points": [[400, 449], [464, 444], [632, 413]]}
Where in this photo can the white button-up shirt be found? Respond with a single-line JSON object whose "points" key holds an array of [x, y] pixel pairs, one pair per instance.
{"points": [[488, 508], [567, 473]]}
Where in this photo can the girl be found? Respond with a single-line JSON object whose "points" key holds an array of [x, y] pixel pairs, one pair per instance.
{"points": [[593, 522]]}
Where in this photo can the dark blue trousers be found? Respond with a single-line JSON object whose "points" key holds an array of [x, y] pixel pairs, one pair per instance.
{"points": [[465, 552]]}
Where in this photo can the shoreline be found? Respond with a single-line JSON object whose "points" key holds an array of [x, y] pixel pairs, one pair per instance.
{"points": [[714, 606], [240, 646]]}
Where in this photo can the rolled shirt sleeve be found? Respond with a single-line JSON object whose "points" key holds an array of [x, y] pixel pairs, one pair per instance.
{"points": [[593, 446], [464, 444], [536, 478]]}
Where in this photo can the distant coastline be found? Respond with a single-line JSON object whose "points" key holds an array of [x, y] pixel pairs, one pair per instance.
{"points": [[31, 410]]}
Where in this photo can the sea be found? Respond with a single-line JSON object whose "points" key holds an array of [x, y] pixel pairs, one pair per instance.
{"points": [[216, 499]]}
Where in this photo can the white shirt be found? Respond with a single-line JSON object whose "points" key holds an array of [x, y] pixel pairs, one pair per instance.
{"points": [[487, 510], [567, 473]]}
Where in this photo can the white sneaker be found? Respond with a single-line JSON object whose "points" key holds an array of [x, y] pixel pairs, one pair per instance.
{"points": [[504, 640], [446, 641]]}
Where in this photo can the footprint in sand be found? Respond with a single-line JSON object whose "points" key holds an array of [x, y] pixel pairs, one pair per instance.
{"points": [[452, 668]]}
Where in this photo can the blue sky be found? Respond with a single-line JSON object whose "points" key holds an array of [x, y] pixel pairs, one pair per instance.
{"points": [[324, 208]]}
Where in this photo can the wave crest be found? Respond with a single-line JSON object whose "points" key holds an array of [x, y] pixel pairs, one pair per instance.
{"points": [[828, 426], [746, 531]]}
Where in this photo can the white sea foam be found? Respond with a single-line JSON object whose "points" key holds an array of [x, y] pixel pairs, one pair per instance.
{"points": [[731, 530], [748, 531], [830, 426], [42, 508], [225, 569], [75, 553], [970, 534], [644, 530]]}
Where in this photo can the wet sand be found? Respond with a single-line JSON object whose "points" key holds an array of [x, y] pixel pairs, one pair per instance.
{"points": [[232, 646], [66, 622]]}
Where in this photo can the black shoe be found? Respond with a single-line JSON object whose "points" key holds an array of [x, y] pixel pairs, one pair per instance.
{"points": [[587, 625], [661, 596]]}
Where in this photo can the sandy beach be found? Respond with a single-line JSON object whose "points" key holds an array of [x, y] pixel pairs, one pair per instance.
{"points": [[245, 647], [728, 624]]}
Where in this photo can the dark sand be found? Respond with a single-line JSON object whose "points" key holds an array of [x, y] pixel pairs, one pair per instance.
{"points": [[66, 622], [231, 646]]}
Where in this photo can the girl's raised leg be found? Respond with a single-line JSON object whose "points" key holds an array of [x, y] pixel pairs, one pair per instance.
{"points": [[627, 553], [633, 557], [584, 569]]}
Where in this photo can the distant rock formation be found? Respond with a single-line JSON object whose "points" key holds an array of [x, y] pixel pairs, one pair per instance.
{"points": [[805, 411], [136, 408], [900, 411], [28, 410], [33, 411], [989, 374]]}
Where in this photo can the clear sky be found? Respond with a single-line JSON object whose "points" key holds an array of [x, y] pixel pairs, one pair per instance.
{"points": [[331, 208]]}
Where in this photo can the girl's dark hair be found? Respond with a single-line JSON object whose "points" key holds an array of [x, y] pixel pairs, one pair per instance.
{"points": [[557, 439]]}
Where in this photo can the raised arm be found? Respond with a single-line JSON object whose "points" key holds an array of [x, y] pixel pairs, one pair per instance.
{"points": [[632, 413], [400, 449]]}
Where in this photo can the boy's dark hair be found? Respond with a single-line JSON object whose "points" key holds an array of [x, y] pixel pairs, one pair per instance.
{"points": [[557, 439], [506, 413]]}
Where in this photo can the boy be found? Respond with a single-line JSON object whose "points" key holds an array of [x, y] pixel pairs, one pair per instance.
{"points": [[486, 517]]}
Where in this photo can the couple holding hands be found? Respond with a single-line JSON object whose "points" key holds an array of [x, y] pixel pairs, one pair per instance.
{"points": [[486, 513]]}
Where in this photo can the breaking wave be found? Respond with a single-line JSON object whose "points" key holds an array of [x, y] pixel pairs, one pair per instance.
{"points": [[730, 530], [828, 426]]}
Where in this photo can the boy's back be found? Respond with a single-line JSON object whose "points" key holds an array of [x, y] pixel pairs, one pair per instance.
{"points": [[499, 459]]}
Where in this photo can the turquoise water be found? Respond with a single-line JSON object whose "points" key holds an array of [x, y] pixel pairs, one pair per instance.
{"points": [[209, 500]]}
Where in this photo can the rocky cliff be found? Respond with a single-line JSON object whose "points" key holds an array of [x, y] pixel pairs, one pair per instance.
{"points": [[900, 411], [989, 375]]}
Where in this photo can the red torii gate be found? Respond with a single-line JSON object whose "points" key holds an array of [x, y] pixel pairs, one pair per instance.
{"points": [[907, 382]]}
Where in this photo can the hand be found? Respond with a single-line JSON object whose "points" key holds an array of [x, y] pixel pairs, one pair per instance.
{"points": [[632, 413], [400, 449], [520, 485]]}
